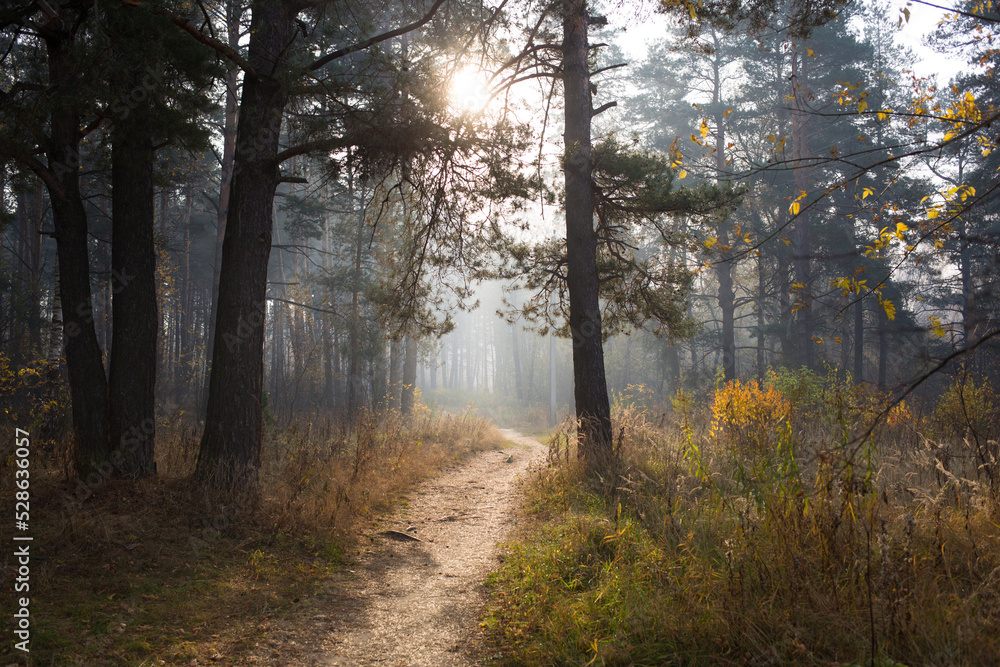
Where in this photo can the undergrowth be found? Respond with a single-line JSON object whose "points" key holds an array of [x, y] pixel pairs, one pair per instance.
{"points": [[764, 530], [160, 571]]}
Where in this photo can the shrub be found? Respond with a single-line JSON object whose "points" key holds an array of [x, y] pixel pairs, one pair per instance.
{"points": [[747, 417]]}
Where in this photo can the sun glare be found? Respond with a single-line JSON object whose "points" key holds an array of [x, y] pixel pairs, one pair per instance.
{"points": [[469, 91]]}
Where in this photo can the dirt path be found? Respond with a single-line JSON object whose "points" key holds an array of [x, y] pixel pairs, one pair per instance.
{"points": [[416, 603]]}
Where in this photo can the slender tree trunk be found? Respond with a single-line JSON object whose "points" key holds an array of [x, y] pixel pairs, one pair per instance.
{"points": [[162, 349], [395, 370], [187, 312], [761, 296], [724, 266], [801, 243], [672, 366], [515, 345], [29, 253], [859, 342], [132, 373], [968, 289], [883, 348], [409, 376], [230, 445], [354, 379], [590, 389]]}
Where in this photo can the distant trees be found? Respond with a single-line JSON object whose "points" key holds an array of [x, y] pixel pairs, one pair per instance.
{"points": [[281, 210]]}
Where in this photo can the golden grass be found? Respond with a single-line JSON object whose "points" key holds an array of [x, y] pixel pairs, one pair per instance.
{"points": [[777, 542]]}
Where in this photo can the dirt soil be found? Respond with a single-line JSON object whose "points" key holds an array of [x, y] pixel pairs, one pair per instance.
{"points": [[407, 602]]}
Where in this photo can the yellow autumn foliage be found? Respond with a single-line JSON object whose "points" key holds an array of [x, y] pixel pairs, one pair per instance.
{"points": [[747, 416]]}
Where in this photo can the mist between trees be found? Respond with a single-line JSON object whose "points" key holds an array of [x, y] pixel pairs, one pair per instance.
{"points": [[261, 214]]}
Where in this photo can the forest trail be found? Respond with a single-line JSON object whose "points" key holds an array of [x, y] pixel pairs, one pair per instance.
{"points": [[416, 603]]}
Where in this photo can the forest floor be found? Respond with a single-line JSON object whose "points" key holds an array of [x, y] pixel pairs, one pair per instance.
{"points": [[409, 602]]}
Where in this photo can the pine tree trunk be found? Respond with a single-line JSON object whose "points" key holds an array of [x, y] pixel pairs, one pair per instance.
{"points": [[187, 312], [225, 186], [354, 379], [803, 278], [724, 266], [515, 345], [84, 363], [230, 445], [761, 296], [590, 389], [859, 342], [29, 256], [132, 373], [395, 372], [883, 348], [409, 376]]}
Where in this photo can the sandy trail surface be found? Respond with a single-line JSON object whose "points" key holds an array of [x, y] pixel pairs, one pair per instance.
{"points": [[416, 603]]}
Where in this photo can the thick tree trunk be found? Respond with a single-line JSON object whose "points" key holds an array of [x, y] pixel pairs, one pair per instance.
{"points": [[132, 373], [230, 445], [225, 185], [590, 383], [84, 362]]}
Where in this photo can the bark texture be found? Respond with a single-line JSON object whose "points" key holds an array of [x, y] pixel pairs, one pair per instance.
{"points": [[132, 371], [590, 383], [230, 445]]}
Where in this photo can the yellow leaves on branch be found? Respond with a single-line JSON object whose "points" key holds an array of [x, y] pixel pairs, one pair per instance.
{"points": [[888, 306], [850, 285], [677, 159], [691, 7], [796, 207], [885, 237], [951, 200], [847, 95], [937, 326]]}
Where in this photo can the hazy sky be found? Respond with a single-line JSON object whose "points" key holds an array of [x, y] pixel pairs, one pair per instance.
{"points": [[642, 29]]}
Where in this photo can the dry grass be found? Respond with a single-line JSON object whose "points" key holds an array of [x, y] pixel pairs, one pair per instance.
{"points": [[735, 538], [159, 572]]}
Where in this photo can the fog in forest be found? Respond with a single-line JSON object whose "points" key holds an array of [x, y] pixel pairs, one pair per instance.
{"points": [[281, 262]]}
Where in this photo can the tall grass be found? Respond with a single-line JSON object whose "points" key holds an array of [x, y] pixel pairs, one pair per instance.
{"points": [[762, 529]]}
